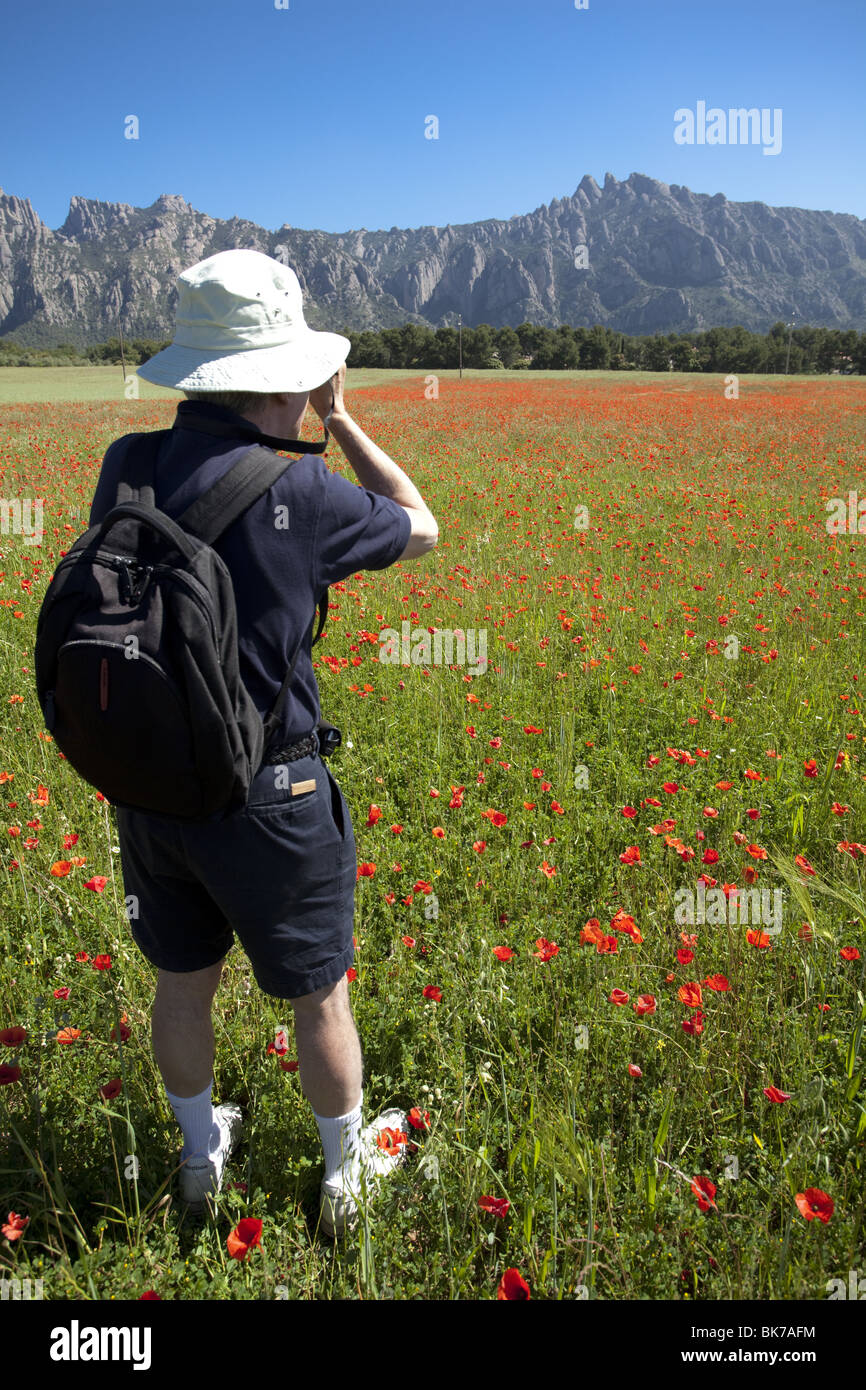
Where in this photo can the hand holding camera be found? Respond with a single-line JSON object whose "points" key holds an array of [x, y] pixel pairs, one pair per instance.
{"points": [[327, 400]]}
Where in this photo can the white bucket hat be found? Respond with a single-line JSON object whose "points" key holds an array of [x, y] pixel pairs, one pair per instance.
{"points": [[240, 327]]}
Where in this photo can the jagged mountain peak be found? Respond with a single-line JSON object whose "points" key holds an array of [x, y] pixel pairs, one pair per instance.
{"points": [[637, 255]]}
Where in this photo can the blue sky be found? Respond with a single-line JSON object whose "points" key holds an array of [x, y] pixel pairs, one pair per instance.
{"points": [[315, 114]]}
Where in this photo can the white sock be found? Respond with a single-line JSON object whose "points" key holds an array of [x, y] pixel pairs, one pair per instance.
{"points": [[196, 1117], [341, 1141]]}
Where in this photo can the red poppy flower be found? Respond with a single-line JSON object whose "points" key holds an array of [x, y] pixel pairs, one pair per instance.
{"points": [[408, 940], [546, 949], [685, 957], [773, 1093], [623, 922], [503, 952], [694, 1026], [351, 974], [68, 1035], [419, 1119], [14, 1227], [759, 939], [803, 865], [705, 1191], [513, 1286], [849, 953], [101, 963], [391, 1141], [592, 932], [497, 1206], [12, 1037], [634, 1070], [717, 982], [366, 870], [8, 1074], [149, 1293], [245, 1235], [690, 994], [288, 1066], [618, 996], [82, 956], [111, 1089], [814, 1203], [125, 1033], [431, 992], [62, 993], [646, 1004]]}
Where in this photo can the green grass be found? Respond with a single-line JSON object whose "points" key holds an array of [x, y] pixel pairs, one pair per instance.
{"points": [[26, 384], [699, 509]]}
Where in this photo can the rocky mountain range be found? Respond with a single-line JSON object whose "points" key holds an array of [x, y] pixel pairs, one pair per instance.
{"points": [[638, 256]]}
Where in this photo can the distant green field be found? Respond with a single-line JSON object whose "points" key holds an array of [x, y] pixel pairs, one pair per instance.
{"points": [[25, 384]]}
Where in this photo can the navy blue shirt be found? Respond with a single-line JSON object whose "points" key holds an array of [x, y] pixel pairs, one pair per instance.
{"points": [[334, 529]]}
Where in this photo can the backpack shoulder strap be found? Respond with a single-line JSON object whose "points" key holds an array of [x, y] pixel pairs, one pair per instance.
{"points": [[139, 467], [250, 478], [273, 718]]}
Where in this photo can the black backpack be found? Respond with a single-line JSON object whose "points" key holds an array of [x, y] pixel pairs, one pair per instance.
{"points": [[136, 651]]}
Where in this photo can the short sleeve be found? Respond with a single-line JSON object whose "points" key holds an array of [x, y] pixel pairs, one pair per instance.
{"points": [[358, 530]]}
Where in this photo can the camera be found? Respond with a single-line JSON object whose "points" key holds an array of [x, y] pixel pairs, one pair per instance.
{"points": [[330, 738]]}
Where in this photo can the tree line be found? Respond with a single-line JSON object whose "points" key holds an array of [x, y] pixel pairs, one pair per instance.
{"points": [[533, 346]]}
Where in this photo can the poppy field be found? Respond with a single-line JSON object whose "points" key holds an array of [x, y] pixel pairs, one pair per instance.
{"points": [[611, 897]]}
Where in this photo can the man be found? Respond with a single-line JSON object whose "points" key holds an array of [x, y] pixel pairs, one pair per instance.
{"points": [[280, 872]]}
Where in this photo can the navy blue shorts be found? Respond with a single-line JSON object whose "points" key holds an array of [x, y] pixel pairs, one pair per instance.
{"points": [[280, 873]]}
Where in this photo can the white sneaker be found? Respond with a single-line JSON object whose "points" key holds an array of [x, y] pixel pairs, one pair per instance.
{"points": [[338, 1208], [202, 1177]]}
